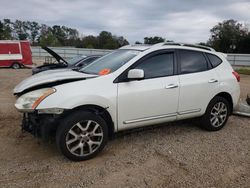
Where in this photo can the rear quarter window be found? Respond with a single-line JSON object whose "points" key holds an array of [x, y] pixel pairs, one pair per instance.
{"points": [[214, 60]]}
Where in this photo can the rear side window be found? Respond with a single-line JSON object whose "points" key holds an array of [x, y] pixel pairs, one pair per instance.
{"points": [[158, 66], [214, 60], [192, 61]]}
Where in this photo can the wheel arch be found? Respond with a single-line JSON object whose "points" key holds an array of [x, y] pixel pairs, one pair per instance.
{"points": [[16, 62], [103, 112], [226, 96]]}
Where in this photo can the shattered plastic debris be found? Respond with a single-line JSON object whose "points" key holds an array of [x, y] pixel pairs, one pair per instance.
{"points": [[242, 108]]}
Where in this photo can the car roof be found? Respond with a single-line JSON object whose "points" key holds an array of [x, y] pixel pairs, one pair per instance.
{"points": [[94, 56], [139, 47], [143, 47]]}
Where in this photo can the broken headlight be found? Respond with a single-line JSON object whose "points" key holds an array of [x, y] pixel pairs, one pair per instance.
{"points": [[31, 100]]}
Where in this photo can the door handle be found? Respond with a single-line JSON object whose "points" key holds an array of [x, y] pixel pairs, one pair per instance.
{"points": [[212, 81], [171, 86]]}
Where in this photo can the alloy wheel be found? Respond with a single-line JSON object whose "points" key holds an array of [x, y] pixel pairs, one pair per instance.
{"points": [[84, 138], [218, 114]]}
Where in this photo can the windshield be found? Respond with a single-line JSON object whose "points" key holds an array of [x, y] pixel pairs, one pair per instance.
{"points": [[75, 60], [110, 62]]}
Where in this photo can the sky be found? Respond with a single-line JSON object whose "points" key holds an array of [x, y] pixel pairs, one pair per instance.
{"points": [[178, 20]]}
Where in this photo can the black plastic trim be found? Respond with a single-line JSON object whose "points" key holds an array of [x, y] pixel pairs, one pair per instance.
{"points": [[179, 62], [123, 76]]}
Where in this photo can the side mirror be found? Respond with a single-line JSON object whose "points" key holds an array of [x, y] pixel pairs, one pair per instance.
{"points": [[135, 74]]}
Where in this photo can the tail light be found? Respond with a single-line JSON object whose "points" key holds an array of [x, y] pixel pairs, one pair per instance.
{"points": [[237, 76]]}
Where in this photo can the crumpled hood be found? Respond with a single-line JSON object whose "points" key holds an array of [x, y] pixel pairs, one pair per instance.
{"points": [[50, 78]]}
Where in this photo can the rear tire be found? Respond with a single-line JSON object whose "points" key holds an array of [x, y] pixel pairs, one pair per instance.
{"points": [[81, 135], [16, 66], [216, 115]]}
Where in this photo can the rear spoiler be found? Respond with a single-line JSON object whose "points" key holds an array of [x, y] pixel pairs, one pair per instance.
{"points": [[223, 54]]}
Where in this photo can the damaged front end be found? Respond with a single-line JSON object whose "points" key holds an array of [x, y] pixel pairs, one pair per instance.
{"points": [[41, 125], [33, 91]]}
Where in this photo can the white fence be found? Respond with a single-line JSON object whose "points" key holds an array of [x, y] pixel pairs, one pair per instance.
{"points": [[239, 59], [38, 52]]}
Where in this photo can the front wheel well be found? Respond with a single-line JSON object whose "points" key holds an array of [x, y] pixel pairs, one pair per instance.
{"points": [[101, 112], [228, 97]]}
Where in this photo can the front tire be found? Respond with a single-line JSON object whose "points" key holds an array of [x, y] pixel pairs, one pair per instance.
{"points": [[81, 135], [216, 115]]}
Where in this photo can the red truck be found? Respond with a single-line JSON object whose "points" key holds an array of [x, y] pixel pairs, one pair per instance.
{"points": [[15, 54]]}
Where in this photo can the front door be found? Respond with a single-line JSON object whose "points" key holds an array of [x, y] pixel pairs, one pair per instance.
{"points": [[153, 99]]}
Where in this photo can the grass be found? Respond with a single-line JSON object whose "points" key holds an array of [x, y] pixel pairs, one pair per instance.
{"points": [[243, 71]]}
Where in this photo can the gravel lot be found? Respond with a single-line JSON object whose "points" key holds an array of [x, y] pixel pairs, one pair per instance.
{"points": [[176, 155]]}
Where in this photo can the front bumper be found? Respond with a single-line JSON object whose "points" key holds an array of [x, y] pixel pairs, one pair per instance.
{"points": [[40, 125]]}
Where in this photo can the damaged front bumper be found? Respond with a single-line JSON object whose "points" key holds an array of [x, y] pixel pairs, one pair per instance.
{"points": [[40, 125]]}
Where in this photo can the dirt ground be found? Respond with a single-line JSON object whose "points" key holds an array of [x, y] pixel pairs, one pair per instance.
{"points": [[176, 155]]}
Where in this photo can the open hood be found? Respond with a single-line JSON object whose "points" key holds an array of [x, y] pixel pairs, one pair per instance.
{"points": [[58, 58], [50, 79]]}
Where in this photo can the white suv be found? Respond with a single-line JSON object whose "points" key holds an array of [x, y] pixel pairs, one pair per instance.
{"points": [[134, 86]]}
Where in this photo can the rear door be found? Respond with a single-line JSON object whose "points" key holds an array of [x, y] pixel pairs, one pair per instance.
{"points": [[153, 99], [199, 83]]}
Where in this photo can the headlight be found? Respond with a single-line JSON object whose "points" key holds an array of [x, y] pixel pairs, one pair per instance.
{"points": [[31, 100]]}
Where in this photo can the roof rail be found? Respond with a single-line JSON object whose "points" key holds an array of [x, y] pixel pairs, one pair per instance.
{"points": [[159, 44], [189, 45], [139, 45]]}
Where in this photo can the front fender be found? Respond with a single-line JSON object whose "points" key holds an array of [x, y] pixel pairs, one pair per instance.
{"points": [[71, 95]]}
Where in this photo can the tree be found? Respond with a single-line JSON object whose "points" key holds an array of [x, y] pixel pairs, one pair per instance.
{"points": [[21, 30], [104, 39], [5, 30], [34, 29], [49, 40], [1, 31], [153, 40], [227, 36], [57, 35], [121, 41], [243, 45], [46, 37], [108, 41], [90, 42], [71, 35]]}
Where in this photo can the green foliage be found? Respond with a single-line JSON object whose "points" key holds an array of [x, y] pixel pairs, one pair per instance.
{"points": [[41, 34], [243, 71], [34, 29], [89, 42], [153, 40], [20, 29], [230, 36], [49, 40], [105, 40], [5, 30]]}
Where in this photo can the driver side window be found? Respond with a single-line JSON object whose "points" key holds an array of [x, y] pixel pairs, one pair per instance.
{"points": [[159, 65]]}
